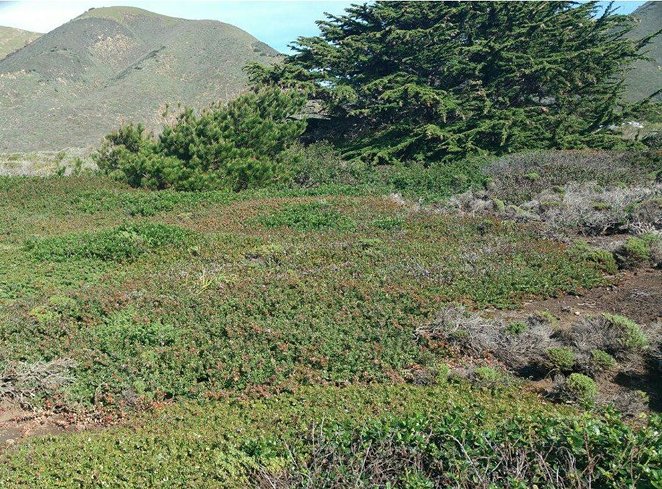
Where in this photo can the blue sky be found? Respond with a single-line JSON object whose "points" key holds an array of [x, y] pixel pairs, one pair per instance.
{"points": [[275, 22]]}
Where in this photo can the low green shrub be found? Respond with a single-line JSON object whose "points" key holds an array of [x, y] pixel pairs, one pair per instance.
{"points": [[320, 164], [517, 327], [121, 332], [546, 316], [629, 334], [637, 250], [489, 377], [312, 216], [442, 373], [499, 205], [561, 358], [370, 243], [581, 388], [602, 361], [603, 258], [125, 242]]}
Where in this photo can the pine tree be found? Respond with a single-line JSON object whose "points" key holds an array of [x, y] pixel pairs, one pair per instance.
{"points": [[440, 80], [244, 143]]}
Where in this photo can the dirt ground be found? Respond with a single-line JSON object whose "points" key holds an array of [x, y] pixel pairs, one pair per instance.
{"points": [[17, 423], [636, 294]]}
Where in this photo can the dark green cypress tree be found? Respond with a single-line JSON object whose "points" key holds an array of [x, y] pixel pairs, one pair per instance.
{"points": [[441, 80]]}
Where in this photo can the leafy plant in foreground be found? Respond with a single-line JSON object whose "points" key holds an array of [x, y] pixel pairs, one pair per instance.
{"points": [[464, 450]]}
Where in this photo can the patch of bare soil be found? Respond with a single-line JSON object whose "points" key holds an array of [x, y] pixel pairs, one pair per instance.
{"points": [[17, 423], [636, 294]]}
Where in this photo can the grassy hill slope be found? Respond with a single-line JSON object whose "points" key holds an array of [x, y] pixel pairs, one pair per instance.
{"points": [[12, 39], [646, 76], [116, 64], [311, 337]]}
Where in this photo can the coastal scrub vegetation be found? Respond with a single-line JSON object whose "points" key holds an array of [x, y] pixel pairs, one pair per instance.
{"points": [[366, 270]]}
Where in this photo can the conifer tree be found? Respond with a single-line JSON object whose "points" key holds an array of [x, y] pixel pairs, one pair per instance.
{"points": [[440, 80], [241, 144]]}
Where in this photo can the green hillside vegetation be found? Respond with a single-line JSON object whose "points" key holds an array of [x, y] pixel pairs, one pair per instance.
{"points": [[81, 80], [645, 76], [14, 39], [248, 285], [116, 300], [447, 278]]}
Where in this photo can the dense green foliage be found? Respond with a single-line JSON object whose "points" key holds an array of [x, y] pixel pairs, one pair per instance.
{"points": [[235, 146], [449, 434], [124, 242], [234, 291], [467, 450], [440, 80]]}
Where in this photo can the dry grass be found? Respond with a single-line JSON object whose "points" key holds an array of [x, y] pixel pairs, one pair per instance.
{"points": [[26, 382], [585, 209], [601, 347]]}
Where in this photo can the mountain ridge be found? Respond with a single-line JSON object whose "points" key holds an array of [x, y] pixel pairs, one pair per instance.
{"points": [[117, 64], [645, 76], [12, 39]]}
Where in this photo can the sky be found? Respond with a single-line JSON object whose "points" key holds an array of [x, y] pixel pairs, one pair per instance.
{"points": [[275, 22]]}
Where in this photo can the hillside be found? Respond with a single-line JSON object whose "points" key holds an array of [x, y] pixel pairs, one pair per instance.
{"points": [[337, 335], [12, 39], [109, 65], [646, 76], [451, 278]]}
